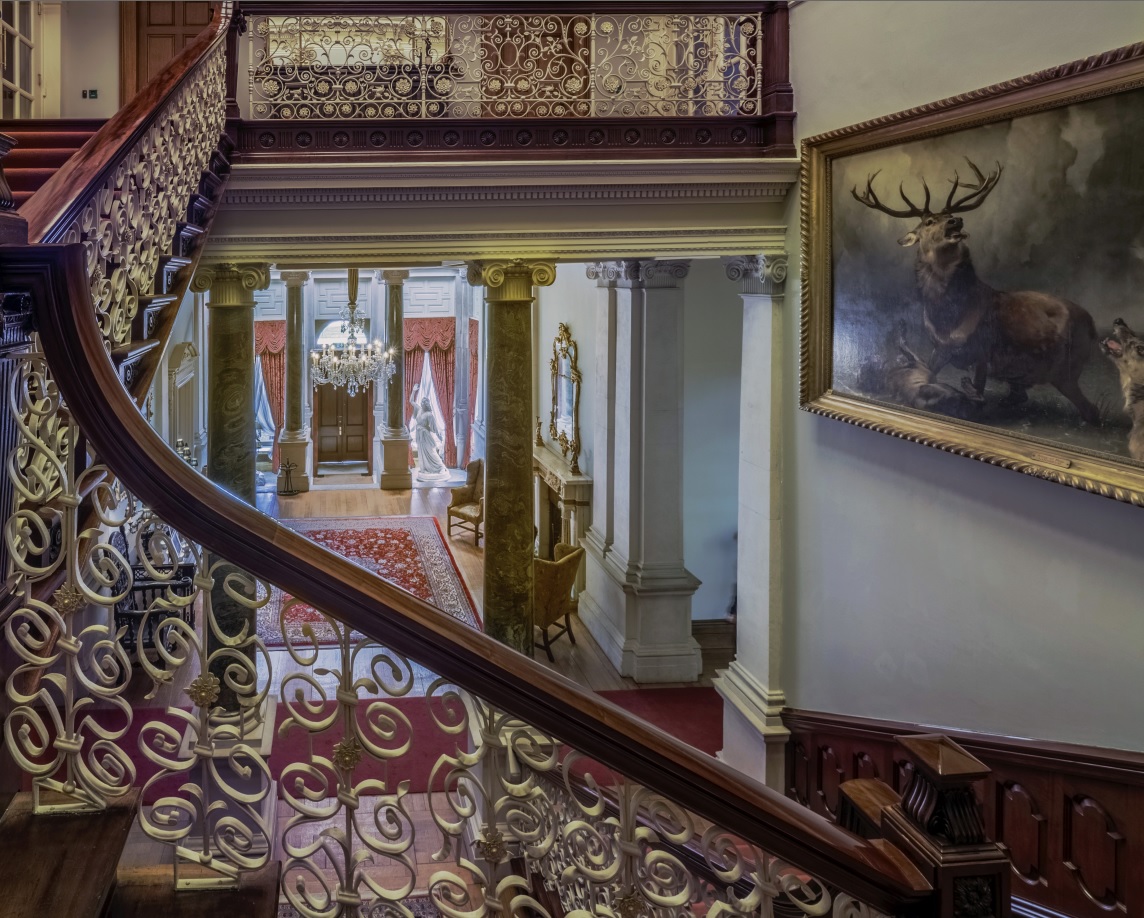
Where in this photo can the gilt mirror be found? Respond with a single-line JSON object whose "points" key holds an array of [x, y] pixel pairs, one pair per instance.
{"points": [[564, 422]]}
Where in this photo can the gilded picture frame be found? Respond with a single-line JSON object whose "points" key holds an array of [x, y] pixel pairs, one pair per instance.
{"points": [[564, 420], [965, 265]]}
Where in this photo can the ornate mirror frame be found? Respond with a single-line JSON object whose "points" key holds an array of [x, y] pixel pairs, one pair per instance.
{"points": [[564, 348]]}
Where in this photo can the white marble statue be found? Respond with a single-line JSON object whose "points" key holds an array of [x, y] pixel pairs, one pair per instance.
{"points": [[430, 465]]}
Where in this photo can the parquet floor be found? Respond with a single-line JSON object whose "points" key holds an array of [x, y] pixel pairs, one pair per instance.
{"points": [[583, 662]]}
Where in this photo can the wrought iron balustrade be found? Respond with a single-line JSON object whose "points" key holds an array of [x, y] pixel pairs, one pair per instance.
{"points": [[506, 65]]}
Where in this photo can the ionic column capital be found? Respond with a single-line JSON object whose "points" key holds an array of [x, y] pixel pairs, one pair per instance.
{"points": [[295, 278], [231, 284], [513, 280], [758, 274], [639, 272], [392, 277]]}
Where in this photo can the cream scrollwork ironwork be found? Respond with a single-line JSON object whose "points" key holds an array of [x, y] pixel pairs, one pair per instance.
{"points": [[132, 220], [537, 65]]}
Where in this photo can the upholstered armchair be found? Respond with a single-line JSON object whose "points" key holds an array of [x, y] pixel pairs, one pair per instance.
{"points": [[553, 593], [467, 504]]}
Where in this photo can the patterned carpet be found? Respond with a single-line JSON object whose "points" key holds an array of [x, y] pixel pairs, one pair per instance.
{"points": [[409, 551]]}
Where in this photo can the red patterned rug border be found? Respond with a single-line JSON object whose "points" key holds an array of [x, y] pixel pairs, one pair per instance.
{"points": [[440, 569]]}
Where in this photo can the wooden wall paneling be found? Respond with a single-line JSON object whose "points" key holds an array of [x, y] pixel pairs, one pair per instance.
{"points": [[151, 34], [1071, 817]]}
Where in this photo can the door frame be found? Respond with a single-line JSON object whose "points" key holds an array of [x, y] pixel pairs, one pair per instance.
{"points": [[369, 427]]}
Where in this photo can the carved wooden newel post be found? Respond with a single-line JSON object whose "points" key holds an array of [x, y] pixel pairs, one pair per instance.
{"points": [[938, 824]]}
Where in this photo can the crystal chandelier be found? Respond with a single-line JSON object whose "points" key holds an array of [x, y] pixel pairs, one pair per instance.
{"points": [[352, 365]]}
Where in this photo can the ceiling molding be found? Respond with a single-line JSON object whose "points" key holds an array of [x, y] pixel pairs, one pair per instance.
{"points": [[505, 194], [752, 171], [400, 249]]}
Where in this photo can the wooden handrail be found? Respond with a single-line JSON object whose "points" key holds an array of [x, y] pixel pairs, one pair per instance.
{"points": [[54, 276], [53, 207]]}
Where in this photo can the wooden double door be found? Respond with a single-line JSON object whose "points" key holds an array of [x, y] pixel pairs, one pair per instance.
{"points": [[343, 425]]}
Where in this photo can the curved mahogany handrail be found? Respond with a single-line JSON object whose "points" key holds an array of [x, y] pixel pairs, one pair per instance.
{"points": [[52, 208], [54, 275]]}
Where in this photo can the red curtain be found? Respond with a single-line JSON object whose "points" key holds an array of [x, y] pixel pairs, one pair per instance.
{"points": [[270, 347], [444, 370], [429, 333], [474, 366]]}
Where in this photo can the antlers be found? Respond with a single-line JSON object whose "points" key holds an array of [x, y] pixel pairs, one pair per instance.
{"points": [[870, 199], [977, 193]]}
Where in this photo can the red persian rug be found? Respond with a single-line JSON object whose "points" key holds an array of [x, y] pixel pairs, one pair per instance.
{"points": [[693, 715], [409, 551]]}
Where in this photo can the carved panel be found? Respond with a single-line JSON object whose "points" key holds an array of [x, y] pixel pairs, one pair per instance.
{"points": [[429, 297], [798, 774], [864, 766], [1021, 827], [1072, 817], [271, 302], [1093, 849], [830, 776]]}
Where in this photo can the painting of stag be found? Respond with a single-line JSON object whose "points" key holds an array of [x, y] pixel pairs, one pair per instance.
{"points": [[975, 273]]}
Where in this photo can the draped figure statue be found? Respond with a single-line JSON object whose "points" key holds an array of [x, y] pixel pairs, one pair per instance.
{"points": [[430, 465]]}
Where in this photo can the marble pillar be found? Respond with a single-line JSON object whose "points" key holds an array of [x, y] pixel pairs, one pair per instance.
{"points": [[395, 472], [637, 600], [753, 733], [294, 443], [508, 601], [230, 420]]}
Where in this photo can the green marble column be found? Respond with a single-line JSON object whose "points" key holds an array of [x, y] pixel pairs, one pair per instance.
{"points": [[395, 471], [508, 604], [294, 445], [230, 418]]}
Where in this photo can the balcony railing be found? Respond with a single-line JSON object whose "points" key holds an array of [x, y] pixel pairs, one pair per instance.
{"points": [[538, 65]]}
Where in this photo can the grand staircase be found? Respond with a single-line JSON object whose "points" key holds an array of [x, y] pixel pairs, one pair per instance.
{"points": [[555, 803]]}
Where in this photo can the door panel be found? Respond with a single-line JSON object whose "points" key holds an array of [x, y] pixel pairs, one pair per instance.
{"points": [[152, 34], [342, 424]]}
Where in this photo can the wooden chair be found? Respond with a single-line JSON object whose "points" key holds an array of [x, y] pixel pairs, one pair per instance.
{"points": [[467, 503], [553, 593]]}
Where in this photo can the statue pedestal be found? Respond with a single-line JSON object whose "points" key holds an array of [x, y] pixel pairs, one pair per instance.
{"points": [[300, 452], [395, 472]]}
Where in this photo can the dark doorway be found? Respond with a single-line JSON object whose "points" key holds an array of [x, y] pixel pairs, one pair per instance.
{"points": [[342, 424]]}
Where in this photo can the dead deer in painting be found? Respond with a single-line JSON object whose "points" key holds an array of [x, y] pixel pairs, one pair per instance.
{"points": [[1127, 353], [913, 383], [1024, 338]]}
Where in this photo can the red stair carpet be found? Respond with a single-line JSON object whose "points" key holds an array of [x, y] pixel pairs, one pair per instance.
{"points": [[693, 715]]}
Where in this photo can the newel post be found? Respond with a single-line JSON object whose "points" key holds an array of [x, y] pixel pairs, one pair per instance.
{"points": [[938, 824]]}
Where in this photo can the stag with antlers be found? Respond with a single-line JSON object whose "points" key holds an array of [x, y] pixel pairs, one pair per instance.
{"points": [[1024, 338]]}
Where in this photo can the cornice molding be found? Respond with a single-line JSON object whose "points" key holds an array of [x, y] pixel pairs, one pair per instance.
{"points": [[504, 194], [402, 249], [756, 171]]}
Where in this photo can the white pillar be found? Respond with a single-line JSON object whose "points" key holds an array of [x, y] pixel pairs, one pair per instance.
{"points": [[637, 600], [754, 737]]}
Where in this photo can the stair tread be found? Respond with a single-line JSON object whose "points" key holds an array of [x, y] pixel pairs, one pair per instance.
{"points": [[34, 850], [148, 891], [133, 349]]}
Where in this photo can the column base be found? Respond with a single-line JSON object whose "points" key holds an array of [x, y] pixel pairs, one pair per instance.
{"points": [[754, 737], [395, 472], [301, 453], [643, 625]]}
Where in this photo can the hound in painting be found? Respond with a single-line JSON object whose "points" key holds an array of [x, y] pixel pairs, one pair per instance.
{"points": [[1127, 353]]}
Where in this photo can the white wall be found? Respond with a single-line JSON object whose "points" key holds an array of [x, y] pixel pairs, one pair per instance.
{"points": [[90, 51], [922, 586], [572, 300], [712, 362]]}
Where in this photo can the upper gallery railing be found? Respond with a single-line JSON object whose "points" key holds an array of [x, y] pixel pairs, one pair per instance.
{"points": [[507, 65]]}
